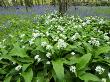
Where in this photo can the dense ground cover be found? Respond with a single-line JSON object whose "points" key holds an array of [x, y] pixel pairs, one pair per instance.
{"points": [[50, 48]]}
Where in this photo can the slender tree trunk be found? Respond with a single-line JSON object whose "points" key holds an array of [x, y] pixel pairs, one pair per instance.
{"points": [[62, 6]]}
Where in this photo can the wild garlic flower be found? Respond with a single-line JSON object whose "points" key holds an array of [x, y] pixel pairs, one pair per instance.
{"points": [[22, 35], [106, 37], [72, 53], [109, 75], [73, 69], [47, 33], [48, 55], [75, 36], [99, 69], [18, 67], [31, 41], [37, 58], [61, 44], [103, 80], [44, 44], [60, 28], [63, 36], [49, 47], [55, 38], [48, 62], [101, 21], [35, 35], [94, 42]]}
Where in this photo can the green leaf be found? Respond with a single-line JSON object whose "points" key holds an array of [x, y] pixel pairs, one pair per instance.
{"points": [[25, 66], [17, 51], [83, 61], [102, 49], [7, 79], [89, 77], [28, 75], [59, 69]]}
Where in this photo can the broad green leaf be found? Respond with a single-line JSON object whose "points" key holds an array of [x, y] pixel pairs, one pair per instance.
{"points": [[28, 75], [83, 61], [59, 69], [25, 66], [102, 49], [18, 80], [7, 79], [89, 77], [71, 60], [17, 51], [2, 71]]}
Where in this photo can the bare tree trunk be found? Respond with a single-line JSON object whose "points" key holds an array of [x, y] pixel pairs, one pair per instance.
{"points": [[62, 6]]}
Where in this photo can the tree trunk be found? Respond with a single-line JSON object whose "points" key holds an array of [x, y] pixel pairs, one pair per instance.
{"points": [[62, 6]]}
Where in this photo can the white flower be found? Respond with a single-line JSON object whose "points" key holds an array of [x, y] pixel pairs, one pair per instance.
{"points": [[23, 46], [43, 44], [73, 69], [72, 53], [61, 44], [106, 37], [22, 35], [63, 36], [109, 75], [49, 47], [101, 21], [75, 36], [35, 35], [55, 38], [31, 41], [48, 62], [39, 59], [48, 55], [47, 33], [94, 42], [103, 79], [99, 69], [60, 28], [18, 67], [36, 57], [83, 24]]}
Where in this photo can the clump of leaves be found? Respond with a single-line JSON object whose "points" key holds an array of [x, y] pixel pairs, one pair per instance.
{"points": [[56, 49]]}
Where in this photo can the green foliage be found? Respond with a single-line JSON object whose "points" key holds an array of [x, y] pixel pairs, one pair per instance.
{"points": [[50, 48]]}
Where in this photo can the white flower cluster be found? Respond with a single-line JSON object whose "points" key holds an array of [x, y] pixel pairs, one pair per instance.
{"points": [[72, 53], [60, 28], [61, 44], [44, 44], [49, 47], [63, 36], [35, 35], [94, 42], [22, 35], [109, 75], [103, 80], [18, 67], [99, 69], [106, 37], [73, 69], [48, 55], [31, 41], [48, 62], [75, 36], [37, 58], [101, 21]]}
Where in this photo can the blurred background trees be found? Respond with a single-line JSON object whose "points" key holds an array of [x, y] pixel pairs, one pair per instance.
{"points": [[63, 4]]}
